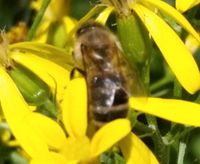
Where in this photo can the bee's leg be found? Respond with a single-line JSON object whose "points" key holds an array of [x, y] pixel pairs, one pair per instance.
{"points": [[76, 72]]}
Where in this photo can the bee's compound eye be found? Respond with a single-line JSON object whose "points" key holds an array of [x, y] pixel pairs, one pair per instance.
{"points": [[87, 27], [81, 31], [84, 29]]}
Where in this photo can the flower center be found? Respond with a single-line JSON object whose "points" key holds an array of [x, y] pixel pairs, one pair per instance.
{"points": [[76, 149]]}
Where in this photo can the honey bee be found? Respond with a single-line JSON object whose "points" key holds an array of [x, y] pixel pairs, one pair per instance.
{"points": [[109, 78]]}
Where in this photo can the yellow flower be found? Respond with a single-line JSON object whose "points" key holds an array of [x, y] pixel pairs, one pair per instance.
{"points": [[59, 31], [169, 43], [78, 110], [56, 9], [55, 25], [46, 142], [51, 64], [184, 5], [17, 33]]}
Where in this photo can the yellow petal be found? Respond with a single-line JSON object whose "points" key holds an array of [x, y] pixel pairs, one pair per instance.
{"points": [[57, 9], [172, 48], [9, 92], [135, 151], [51, 158], [108, 135], [76, 149], [59, 158], [55, 54], [36, 4], [42, 32], [74, 108], [192, 44], [184, 5], [33, 145], [179, 111], [54, 75], [103, 16], [69, 23], [169, 10], [32, 108], [15, 110], [47, 129]]}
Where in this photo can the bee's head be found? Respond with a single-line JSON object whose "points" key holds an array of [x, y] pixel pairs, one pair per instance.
{"points": [[92, 39], [88, 26], [92, 34]]}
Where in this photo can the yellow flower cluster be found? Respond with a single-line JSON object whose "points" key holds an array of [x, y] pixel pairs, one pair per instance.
{"points": [[68, 140]]}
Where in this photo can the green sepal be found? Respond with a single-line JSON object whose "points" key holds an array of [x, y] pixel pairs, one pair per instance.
{"points": [[57, 35], [33, 90], [134, 38], [29, 89]]}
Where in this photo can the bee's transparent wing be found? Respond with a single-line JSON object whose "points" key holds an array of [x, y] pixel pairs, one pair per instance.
{"points": [[136, 87]]}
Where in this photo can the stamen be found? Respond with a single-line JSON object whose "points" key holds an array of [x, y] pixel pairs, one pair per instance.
{"points": [[4, 60], [120, 5]]}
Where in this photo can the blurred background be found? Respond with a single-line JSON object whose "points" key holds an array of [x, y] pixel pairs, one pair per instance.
{"points": [[13, 11]]}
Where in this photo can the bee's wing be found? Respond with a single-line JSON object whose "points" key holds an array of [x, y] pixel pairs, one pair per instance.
{"points": [[135, 85]]}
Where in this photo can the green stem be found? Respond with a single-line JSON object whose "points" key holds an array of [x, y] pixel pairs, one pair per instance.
{"points": [[181, 134], [161, 93], [174, 132], [143, 128], [161, 149], [50, 108], [198, 98], [158, 84], [145, 73], [38, 19], [181, 153], [177, 89]]}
